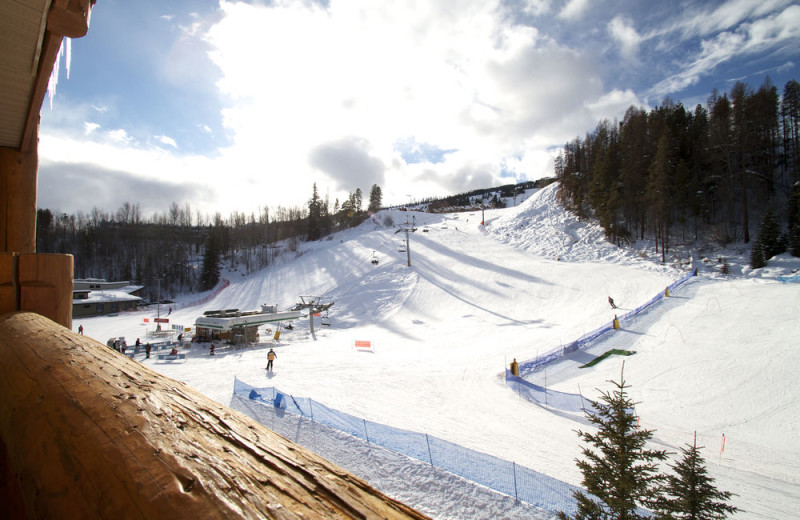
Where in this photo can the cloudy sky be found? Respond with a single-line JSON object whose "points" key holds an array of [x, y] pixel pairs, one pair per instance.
{"points": [[237, 105]]}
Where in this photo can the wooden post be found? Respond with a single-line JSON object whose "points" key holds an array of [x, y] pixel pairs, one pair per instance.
{"points": [[40, 283], [9, 295], [18, 200], [45, 286]]}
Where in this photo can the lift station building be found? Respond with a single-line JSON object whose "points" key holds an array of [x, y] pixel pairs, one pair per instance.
{"points": [[237, 326]]}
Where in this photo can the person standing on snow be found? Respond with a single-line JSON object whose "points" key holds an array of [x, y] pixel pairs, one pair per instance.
{"points": [[271, 355]]}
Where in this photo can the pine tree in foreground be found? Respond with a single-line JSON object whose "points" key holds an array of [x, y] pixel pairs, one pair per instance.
{"points": [[690, 494], [621, 476]]}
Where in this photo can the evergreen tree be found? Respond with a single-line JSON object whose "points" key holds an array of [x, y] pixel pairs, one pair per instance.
{"points": [[771, 238], [768, 243], [375, 196], [794, 221], [358, 198], [210, 274], [757, 260], [690, 493], [314, 216], [790, 116], [622, 474], [657, 191]]}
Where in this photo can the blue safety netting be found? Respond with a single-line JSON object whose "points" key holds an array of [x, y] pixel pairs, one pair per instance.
{"points": [[500, 475]]}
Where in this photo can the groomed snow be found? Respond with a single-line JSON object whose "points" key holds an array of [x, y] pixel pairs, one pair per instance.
{"points": [[718, 357]]}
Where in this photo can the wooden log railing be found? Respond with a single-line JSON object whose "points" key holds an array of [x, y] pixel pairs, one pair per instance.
{"points": [[86, 432]]}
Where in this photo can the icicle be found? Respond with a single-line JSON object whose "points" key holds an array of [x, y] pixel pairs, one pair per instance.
{"points": [[66, 51], [68, 54]]}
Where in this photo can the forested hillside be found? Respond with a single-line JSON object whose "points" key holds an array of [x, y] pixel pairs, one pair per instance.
{"points": [[675, 174], [178, 252]]}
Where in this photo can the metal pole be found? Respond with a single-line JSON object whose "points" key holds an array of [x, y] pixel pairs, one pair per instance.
{"points": [[408, 250]]}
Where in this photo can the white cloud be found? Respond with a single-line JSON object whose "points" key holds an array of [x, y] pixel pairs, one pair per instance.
{"points": [[462, 78], [574, 9], [622, 31], [613, 104], [163, 139], [536, 7], [780, 31], [773, 30], [89, 128], [119, 136]]}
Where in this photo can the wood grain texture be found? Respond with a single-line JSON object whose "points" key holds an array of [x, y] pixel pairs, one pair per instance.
{"points": [[85, 432], [18, 200]]}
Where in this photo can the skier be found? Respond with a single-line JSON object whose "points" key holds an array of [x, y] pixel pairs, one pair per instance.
{"points": [[147, 348], [80, 330], [611, 301], [271, 355]]}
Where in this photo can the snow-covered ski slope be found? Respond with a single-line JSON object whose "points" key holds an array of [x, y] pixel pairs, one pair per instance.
{"points": [[719, 357]]}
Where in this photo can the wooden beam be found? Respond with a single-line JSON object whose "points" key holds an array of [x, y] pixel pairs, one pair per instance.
{"points": [[70, 18], [86, 432], [50, 47]]}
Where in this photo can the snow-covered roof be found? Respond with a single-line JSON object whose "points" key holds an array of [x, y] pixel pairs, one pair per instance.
{"points": [[108, 296]]}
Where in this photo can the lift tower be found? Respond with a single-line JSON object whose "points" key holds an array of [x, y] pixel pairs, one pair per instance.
{"points": [[408, 228]]}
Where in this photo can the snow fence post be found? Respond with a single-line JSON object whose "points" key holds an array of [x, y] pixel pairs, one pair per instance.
{"points": [[428, 442], [514, 468], [583, 405], [366, 436]]}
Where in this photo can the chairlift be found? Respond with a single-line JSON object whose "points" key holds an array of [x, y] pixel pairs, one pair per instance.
{"points": [[374, 259], [402, 247], [325, 320]]}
